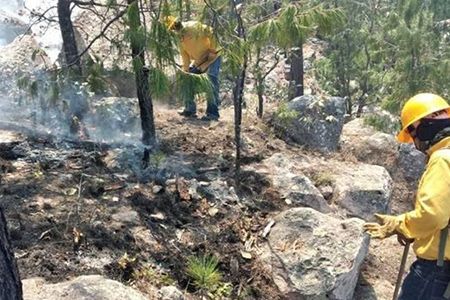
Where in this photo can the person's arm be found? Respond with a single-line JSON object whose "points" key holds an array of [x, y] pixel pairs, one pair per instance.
{"points": [[432, 210], [186, 59]]}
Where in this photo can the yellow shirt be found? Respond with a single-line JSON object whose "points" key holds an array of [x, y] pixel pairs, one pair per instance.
{"points": [[197, 45], [432, 208]]}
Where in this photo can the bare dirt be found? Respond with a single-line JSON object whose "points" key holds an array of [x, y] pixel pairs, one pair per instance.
{"points": [[72, 212]]}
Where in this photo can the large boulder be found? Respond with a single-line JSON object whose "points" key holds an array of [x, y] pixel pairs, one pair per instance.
{"points": [[313, 256], [295, 188], [362, 190], [313, 122], [411, 162], [368, 145], [81, 288]]}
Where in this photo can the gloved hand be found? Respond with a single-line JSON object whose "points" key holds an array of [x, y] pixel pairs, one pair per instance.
{"points": [[388, 226]]}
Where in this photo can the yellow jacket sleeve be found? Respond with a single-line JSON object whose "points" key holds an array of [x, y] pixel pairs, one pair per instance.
{"points": [[432, 209], [186, 59]]}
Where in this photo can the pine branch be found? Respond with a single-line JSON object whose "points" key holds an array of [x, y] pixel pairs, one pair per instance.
{"points": [[93, 3]]}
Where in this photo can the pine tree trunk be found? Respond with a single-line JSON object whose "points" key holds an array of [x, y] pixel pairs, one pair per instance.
{"points": [[143, 92], [238, 94], [296, 60], [10, 284], [68, 35]]}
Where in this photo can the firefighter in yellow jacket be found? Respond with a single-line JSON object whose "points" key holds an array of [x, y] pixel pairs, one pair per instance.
{"points": [[426, 123], [200, 54]]}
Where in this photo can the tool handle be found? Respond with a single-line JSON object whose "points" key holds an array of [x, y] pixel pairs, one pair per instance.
{"points": [[401, 270]]}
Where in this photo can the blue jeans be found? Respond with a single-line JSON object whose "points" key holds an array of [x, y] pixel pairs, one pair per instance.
{"points": [[425, 281], [212, 106]]}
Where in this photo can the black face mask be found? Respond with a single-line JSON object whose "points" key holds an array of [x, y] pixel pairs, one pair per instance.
{"points": [[428, 128]]}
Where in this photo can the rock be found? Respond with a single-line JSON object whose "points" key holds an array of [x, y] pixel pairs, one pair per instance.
{"points": [[312, 122], [81, 288], [314, 256], [170, 293], [326, 191], [219, 191], [300, 191], [295, 188], [411, 161], [368, 145], [362, 190], [126, 217], [156, 189]]}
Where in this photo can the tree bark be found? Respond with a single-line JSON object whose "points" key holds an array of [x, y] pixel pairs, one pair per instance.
{"points": [[10, 284], [296, 60], [73, 60], [143, 91]]}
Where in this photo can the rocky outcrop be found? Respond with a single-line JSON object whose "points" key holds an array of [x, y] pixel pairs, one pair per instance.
{"points": [[368, 145], [362, 190], [312, 122], [81, 288], [373, 147], [315, 256]]}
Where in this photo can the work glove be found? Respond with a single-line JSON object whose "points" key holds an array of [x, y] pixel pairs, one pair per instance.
{"points": [[388, 226]]}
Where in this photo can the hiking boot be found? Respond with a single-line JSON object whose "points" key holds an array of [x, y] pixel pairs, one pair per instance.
{"points": [[187, 114], [209, 118]]}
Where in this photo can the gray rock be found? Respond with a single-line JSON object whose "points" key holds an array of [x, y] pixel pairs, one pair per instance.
{"points": [[92, 287], [411, 162], [295, 188], [362, 190], [219, 191], [126, 216], [368, 145], [312, 122], [300, 191], [313, 256], [170, 293]]}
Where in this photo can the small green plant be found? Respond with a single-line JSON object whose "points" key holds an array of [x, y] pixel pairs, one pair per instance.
{"points": [[157, 159], [204, 274], [285, 115], [383, 123], [324, 179]]}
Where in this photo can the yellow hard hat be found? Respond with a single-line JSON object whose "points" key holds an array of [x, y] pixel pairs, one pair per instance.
{"points": [[416, 108], [169, 21]]}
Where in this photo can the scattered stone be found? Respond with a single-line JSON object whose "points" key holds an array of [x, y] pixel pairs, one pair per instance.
{"points": [[312, 122], [326, 191], [156, 189], [126, 216], [219, 191], [81, 288], [170, 293], [315, 256]]}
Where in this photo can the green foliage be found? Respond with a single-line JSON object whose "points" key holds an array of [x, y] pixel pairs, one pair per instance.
{"points": [[383, 123], [96, 72], [387, 52], [204, 273], [159, 83], [285, 114], [189, 85]]}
